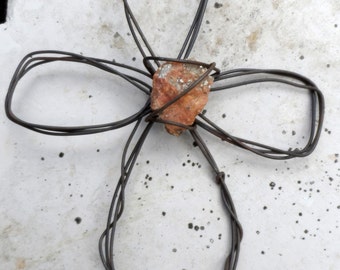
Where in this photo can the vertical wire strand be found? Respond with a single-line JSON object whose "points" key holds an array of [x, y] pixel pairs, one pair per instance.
{"points": [[191, 37], [106, 240], [132, 22], [235, 225]]}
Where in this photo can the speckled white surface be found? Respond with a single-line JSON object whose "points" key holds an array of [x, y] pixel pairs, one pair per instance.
{"points": [[293, 225]]}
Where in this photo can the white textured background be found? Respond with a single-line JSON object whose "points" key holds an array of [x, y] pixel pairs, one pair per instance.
{"points": [[294, 225]]}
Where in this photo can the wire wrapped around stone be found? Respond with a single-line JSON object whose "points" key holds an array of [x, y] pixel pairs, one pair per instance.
{"points": [[180, 92]]}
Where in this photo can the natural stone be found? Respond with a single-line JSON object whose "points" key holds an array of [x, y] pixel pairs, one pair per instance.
{"points": [[170, 80]]}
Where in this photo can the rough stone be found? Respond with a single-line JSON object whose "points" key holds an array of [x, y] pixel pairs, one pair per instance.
{"points": [[169, 81]]}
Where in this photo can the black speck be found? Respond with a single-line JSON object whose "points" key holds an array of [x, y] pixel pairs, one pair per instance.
{"points": [[133, 58], [335, 25], [265, 207], [204, 112], [174, 250], [98, 150], [196, 228], [224, 115], [302, 57], [262, 252], [42, 158], [300, 214], [61, 154], [77, 220], [148, 161], [272, 184], [218, 5], [207, 22], [190, 225], [163, 214], [293, 132], [90, 96], [195, 144], [305, 231]]}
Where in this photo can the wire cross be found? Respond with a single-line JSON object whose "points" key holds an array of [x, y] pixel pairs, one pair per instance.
{"points": [[227, 80]]}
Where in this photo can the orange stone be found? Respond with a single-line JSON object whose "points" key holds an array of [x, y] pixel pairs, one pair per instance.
{"points": [[169, 81]]}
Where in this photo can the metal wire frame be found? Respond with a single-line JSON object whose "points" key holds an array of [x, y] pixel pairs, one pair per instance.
{"points": [[130, 154]]}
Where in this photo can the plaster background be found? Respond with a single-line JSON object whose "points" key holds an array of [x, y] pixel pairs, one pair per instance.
{"points": [[293, 225]]}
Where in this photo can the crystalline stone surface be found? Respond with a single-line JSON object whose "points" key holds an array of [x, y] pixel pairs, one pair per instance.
{"points": [[168, 82]]}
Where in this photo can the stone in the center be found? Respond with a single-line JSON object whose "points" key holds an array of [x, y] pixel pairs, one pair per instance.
{"points": [[168, 82]]}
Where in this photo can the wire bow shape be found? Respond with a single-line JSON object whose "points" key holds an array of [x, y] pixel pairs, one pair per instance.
{"points": [[227, 79]]}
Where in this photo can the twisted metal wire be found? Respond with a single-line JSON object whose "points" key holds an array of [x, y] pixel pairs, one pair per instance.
{"points": [[130, 154]]}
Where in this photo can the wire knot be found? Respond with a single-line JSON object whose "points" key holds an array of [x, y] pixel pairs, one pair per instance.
{"points": [[220, 177]]}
